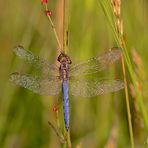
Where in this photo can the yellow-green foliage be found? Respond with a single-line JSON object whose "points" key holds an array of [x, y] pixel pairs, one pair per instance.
{"points": [[94, 122]]}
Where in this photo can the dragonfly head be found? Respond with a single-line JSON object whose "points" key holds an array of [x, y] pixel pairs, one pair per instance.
{"points": [[63, 58], [19, 51], [14, 77]]}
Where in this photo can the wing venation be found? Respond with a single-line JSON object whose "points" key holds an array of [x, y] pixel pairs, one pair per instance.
{"points": [[96, 64], [90, 88], [43, 65], [38, 85]]}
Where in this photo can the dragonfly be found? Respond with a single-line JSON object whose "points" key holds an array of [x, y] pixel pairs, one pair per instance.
{"points": [[68, 77]]}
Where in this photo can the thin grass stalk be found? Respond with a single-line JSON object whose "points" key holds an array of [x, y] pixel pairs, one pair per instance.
{"points": [[106, 4], [116, 6], [61, 49], [53, 26], [118, 35], [57, 119], [133, 76], [58, 133], [139, 96], [127, 104]]}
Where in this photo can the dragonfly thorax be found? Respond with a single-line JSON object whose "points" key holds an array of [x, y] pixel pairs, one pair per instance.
{"points": [[64, 66]]}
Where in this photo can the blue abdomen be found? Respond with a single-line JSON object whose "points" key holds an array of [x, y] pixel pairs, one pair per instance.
{"points": [[65, 103]]}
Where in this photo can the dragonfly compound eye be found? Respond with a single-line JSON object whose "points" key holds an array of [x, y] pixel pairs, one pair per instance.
{"points": [[63, 58]]}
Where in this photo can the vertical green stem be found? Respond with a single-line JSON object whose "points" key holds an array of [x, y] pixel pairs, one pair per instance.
{"points": [[105, 6], [65, 48], [68, 139], [65, 25], [57, 120], [119, 30]]}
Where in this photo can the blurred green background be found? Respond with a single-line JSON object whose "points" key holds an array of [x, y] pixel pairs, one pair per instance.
{"points": [[97, 122]]}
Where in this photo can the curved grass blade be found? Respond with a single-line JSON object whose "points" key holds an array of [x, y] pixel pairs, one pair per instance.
{"points": [[121, 43], [57, 132]]}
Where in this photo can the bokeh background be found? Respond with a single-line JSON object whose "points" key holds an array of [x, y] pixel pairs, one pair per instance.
{"points": [[96, 122]]}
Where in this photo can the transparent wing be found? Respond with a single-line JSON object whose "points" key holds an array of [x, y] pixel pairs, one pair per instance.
{"points": [[90, 88], [49, 87], [37, 62], [99, 63]]}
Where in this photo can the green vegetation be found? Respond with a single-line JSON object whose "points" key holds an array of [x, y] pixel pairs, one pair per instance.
{"points": [[97, 122]]}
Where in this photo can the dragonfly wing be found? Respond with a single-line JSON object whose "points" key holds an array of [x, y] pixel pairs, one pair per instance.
{"points": [[99, 63], [90, 88], [49, 87], [37, 62]]}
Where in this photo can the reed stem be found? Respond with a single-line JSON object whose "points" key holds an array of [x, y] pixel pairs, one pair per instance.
{"points": [[116, 7], [131, 72], [53, 27], [127, 104]]}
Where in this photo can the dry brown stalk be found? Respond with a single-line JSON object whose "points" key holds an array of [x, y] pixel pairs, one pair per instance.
{"points": [[116, 5]]}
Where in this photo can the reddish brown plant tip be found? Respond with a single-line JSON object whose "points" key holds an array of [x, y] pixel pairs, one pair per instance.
{"points": [[48, 13], [44, 1], [54, 109]]}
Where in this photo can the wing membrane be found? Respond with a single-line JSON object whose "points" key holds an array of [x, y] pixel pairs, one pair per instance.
{"points": [[40, 86], [99, 63], [37, 62], [90, 88]]}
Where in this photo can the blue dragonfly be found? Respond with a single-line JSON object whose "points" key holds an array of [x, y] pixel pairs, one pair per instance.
{"points": [[56, 78]]}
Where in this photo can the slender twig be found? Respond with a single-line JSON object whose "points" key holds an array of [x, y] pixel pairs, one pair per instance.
{"points": [[48, 13], [127, 104], [58, 133]]}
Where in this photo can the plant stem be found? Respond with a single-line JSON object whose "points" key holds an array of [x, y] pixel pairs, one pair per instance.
{"points": [[65, 26], [53, 27], [112, 13], [68, 139], [57, 120], [128, 105], [65, 48], [116, 7]]}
